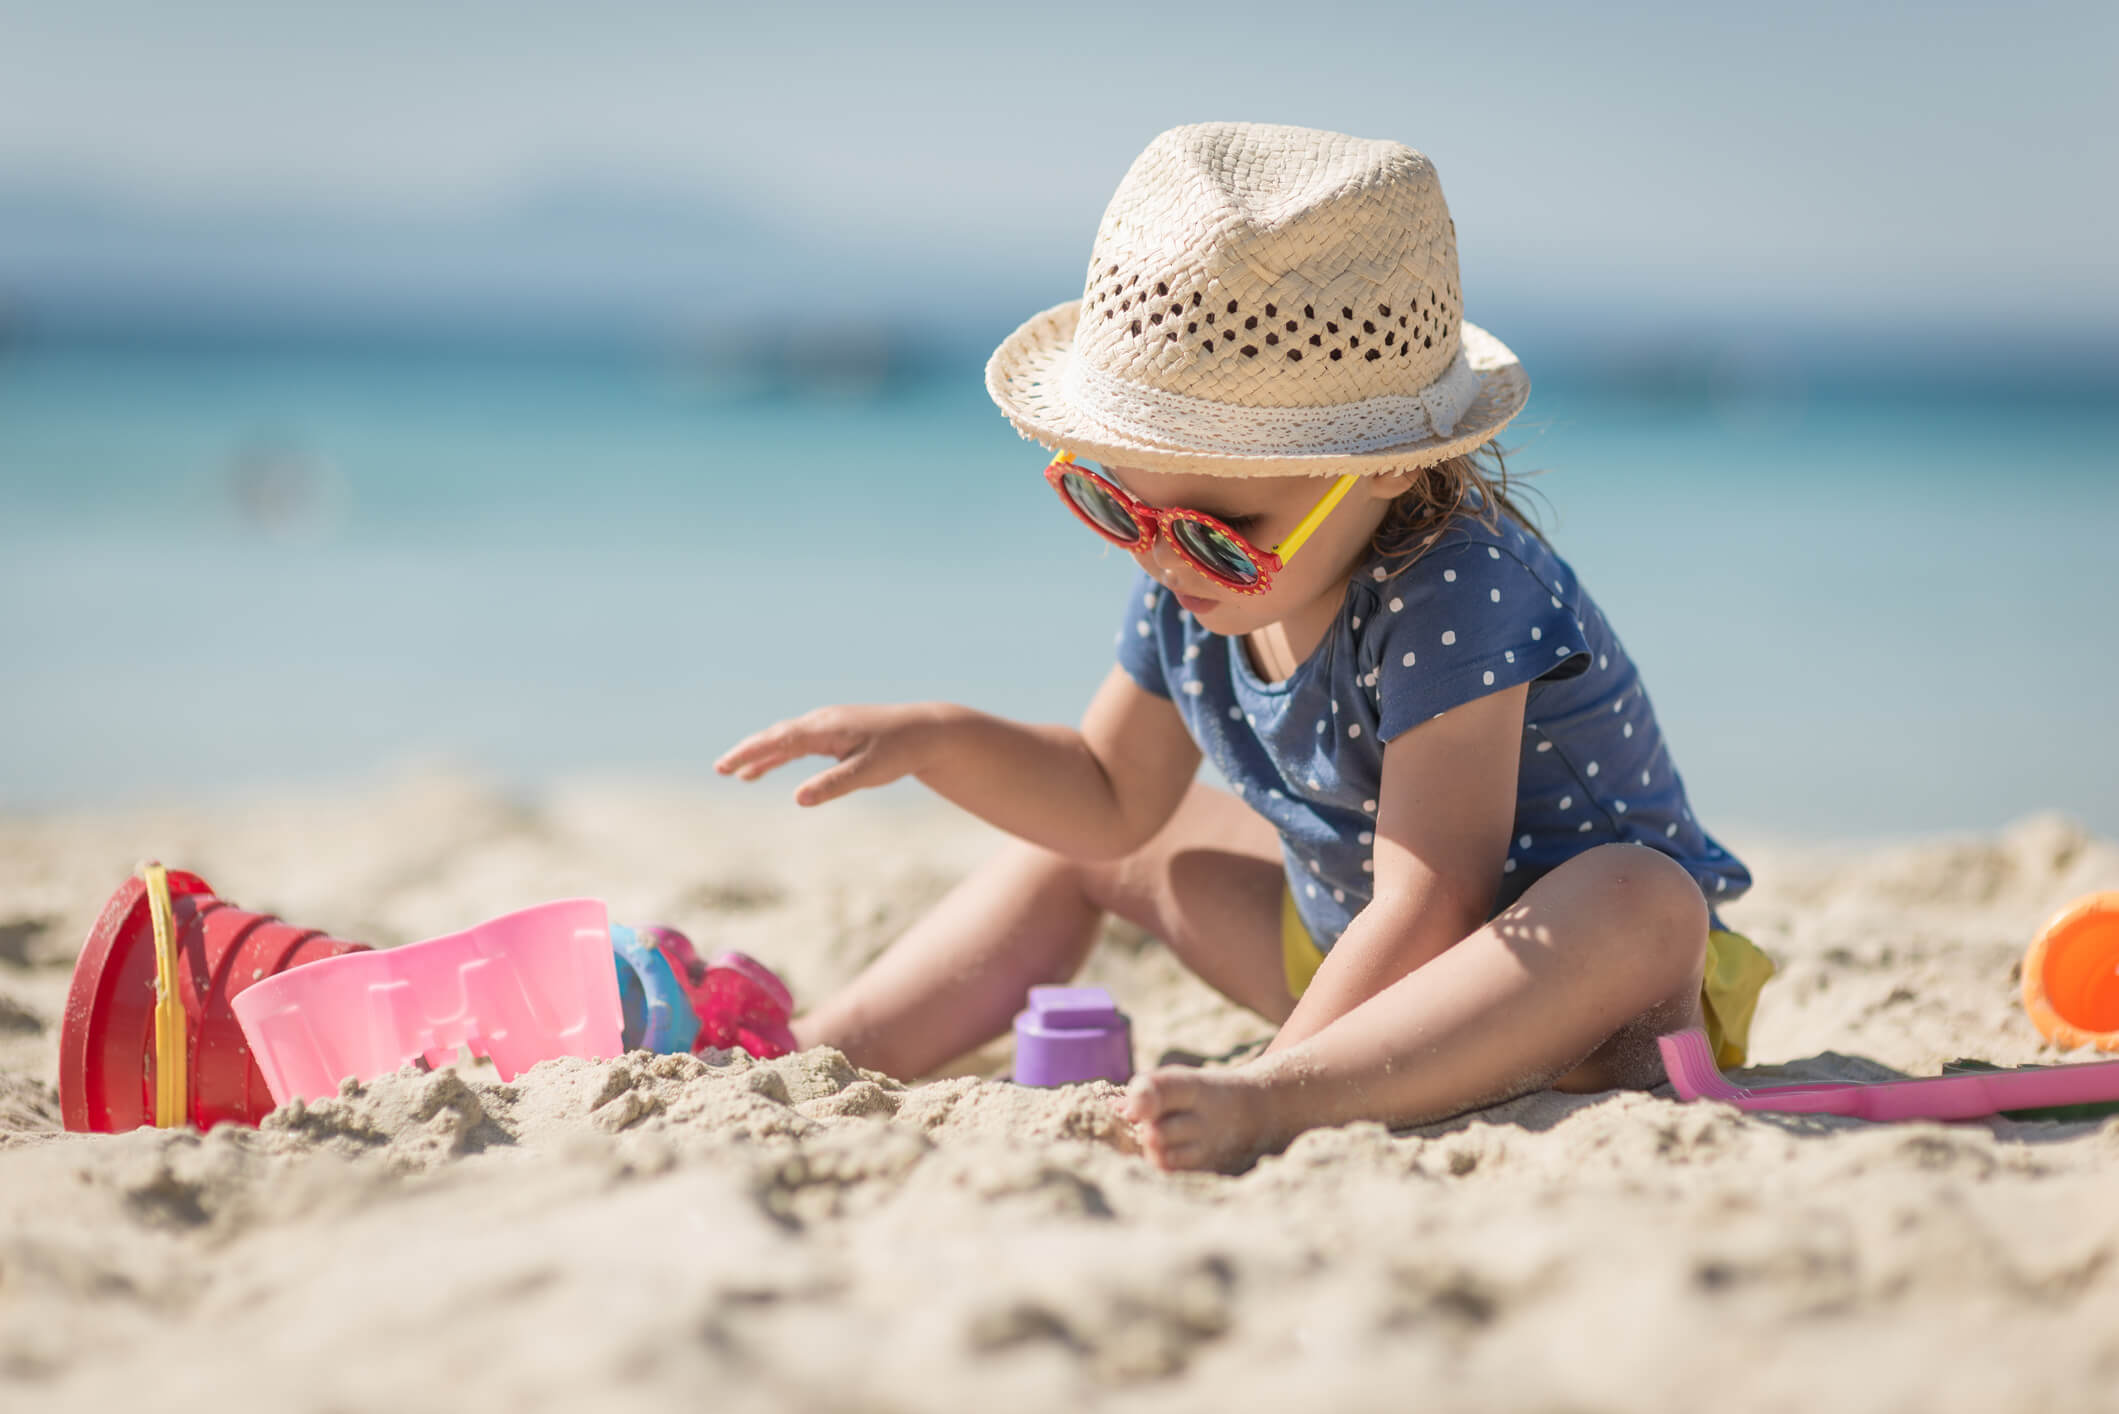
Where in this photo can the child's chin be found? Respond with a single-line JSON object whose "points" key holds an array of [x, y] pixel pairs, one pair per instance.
{"points": [[1223, 614], [1238, 619], [1233, 616]]}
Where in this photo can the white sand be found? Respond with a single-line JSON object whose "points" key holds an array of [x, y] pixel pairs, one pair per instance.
{"points": [[797, 1235]]}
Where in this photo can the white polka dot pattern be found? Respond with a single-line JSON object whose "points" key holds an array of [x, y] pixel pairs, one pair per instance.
{"points": [[1474, 614]]}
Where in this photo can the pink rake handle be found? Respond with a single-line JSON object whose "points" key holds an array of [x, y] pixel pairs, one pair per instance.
{"points": [[521, 988], [1694, 1075]]}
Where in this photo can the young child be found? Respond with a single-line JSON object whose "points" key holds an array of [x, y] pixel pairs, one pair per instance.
{"points": [[1458, 863]]}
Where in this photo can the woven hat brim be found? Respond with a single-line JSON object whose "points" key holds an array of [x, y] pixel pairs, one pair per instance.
{"points": [[1024, 378]]}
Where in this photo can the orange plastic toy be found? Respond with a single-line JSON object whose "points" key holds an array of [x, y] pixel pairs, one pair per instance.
{"points": [[2071, 975]]}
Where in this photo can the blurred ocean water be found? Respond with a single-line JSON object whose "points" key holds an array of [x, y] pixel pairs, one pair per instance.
{"points": [[1860, 607]]}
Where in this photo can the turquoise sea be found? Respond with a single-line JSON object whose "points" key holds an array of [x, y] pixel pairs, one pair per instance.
{"points": [[1860, 605]]}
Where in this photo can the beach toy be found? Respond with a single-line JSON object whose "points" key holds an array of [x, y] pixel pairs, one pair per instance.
{"points": [[737, 1000], [683, 958], [1969, 1094], [742, 1004], [149, 1035], [521, 988], [152, 1034], [1071, 1034], [2071, 975], [654, 998]]}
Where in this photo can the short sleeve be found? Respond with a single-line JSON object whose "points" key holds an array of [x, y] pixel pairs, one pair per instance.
{"points": [[1464, 620], [1139, 638]]}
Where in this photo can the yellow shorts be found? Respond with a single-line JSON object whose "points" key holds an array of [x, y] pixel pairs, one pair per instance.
{"points": [[1736, 971]]}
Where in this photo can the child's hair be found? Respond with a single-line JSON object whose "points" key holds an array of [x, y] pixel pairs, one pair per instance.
{"points": [[1474, 484]]}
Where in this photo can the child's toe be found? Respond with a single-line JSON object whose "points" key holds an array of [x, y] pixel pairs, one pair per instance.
{"points": [[1144, 1100], [1178, 1143], [1176, 1087], [1181, 1130], [1181, 1158]]}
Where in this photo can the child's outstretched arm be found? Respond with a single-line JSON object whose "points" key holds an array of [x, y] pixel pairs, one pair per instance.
{"points": [[1096, 792]]}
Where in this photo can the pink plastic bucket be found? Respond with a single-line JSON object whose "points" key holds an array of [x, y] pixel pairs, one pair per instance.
{"points": [[522, 988]]}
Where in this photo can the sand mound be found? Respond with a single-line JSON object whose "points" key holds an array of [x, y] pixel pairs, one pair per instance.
{"points": [[800, 1234]]}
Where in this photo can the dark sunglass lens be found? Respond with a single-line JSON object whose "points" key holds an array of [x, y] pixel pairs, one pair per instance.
{"points": [[1216, 549], [1102, 508]]}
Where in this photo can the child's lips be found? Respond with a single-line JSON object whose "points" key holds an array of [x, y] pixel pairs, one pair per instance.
{"points": [[1195, 606]]}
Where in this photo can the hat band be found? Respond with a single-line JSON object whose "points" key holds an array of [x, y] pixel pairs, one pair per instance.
{"points": [[1343, 429]]}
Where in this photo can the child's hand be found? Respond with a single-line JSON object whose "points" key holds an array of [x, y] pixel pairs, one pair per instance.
{"points": [[874, 745]]}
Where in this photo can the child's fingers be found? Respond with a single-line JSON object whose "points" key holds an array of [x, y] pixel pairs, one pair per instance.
{"points": [[742, 754], [778, 744], [751, 764], [843, 779], [766, 745]]}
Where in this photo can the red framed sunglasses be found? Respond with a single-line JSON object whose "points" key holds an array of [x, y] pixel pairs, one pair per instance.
{"points": [[1201, 541]]}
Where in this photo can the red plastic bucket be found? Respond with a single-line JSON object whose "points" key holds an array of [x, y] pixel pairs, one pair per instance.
{"points": [[107, 1042]]}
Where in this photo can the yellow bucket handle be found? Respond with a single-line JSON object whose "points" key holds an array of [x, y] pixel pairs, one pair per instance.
{"points": [[172, 1090]]}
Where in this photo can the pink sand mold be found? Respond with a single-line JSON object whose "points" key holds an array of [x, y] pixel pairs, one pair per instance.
{"points": [[742, 1003], [521, 988], [1694, 1075]]}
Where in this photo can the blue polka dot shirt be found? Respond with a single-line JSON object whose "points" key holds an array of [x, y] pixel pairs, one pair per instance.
{"points": [[1480, 611]]}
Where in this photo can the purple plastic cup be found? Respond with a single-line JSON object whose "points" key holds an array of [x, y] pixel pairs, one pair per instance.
{"points": [[1071, 1034]]}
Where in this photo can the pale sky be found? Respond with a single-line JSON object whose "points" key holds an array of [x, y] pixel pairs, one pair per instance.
{"points": [[1778, 157]]}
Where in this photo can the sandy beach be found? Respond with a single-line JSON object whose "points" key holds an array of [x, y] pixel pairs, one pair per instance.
{"points": [[721, 1234]]}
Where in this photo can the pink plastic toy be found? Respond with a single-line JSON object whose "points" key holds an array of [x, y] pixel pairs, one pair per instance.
{"points": [[519, 989], [1694, 1075], [741, 1002]]}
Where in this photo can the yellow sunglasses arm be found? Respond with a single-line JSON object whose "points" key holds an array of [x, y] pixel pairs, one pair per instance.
{"points": [[1286, 549]]}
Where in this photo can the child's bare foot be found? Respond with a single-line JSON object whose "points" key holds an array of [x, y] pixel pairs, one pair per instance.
{"points": [[1201, 1119]]}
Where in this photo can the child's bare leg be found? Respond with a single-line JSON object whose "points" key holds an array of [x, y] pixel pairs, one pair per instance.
{"points": [[1208, 884], [1569, 987], [954, 979]]}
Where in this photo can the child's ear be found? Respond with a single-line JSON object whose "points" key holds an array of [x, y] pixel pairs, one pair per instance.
{"points": [[1392, 484]]}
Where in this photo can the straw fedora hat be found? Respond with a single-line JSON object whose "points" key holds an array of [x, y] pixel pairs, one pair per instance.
{"points": [[1264, 301]]}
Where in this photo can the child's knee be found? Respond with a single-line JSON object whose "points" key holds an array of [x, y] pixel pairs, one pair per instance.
{"points": [[1041, 867], [1116, 885], [1654, 901]]}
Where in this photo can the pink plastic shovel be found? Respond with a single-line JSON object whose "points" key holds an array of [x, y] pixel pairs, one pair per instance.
{"points": [[522, 988], [1972, 1096]]}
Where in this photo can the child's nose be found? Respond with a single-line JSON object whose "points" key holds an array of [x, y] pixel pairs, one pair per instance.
{"points": [[1160, 558]]}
